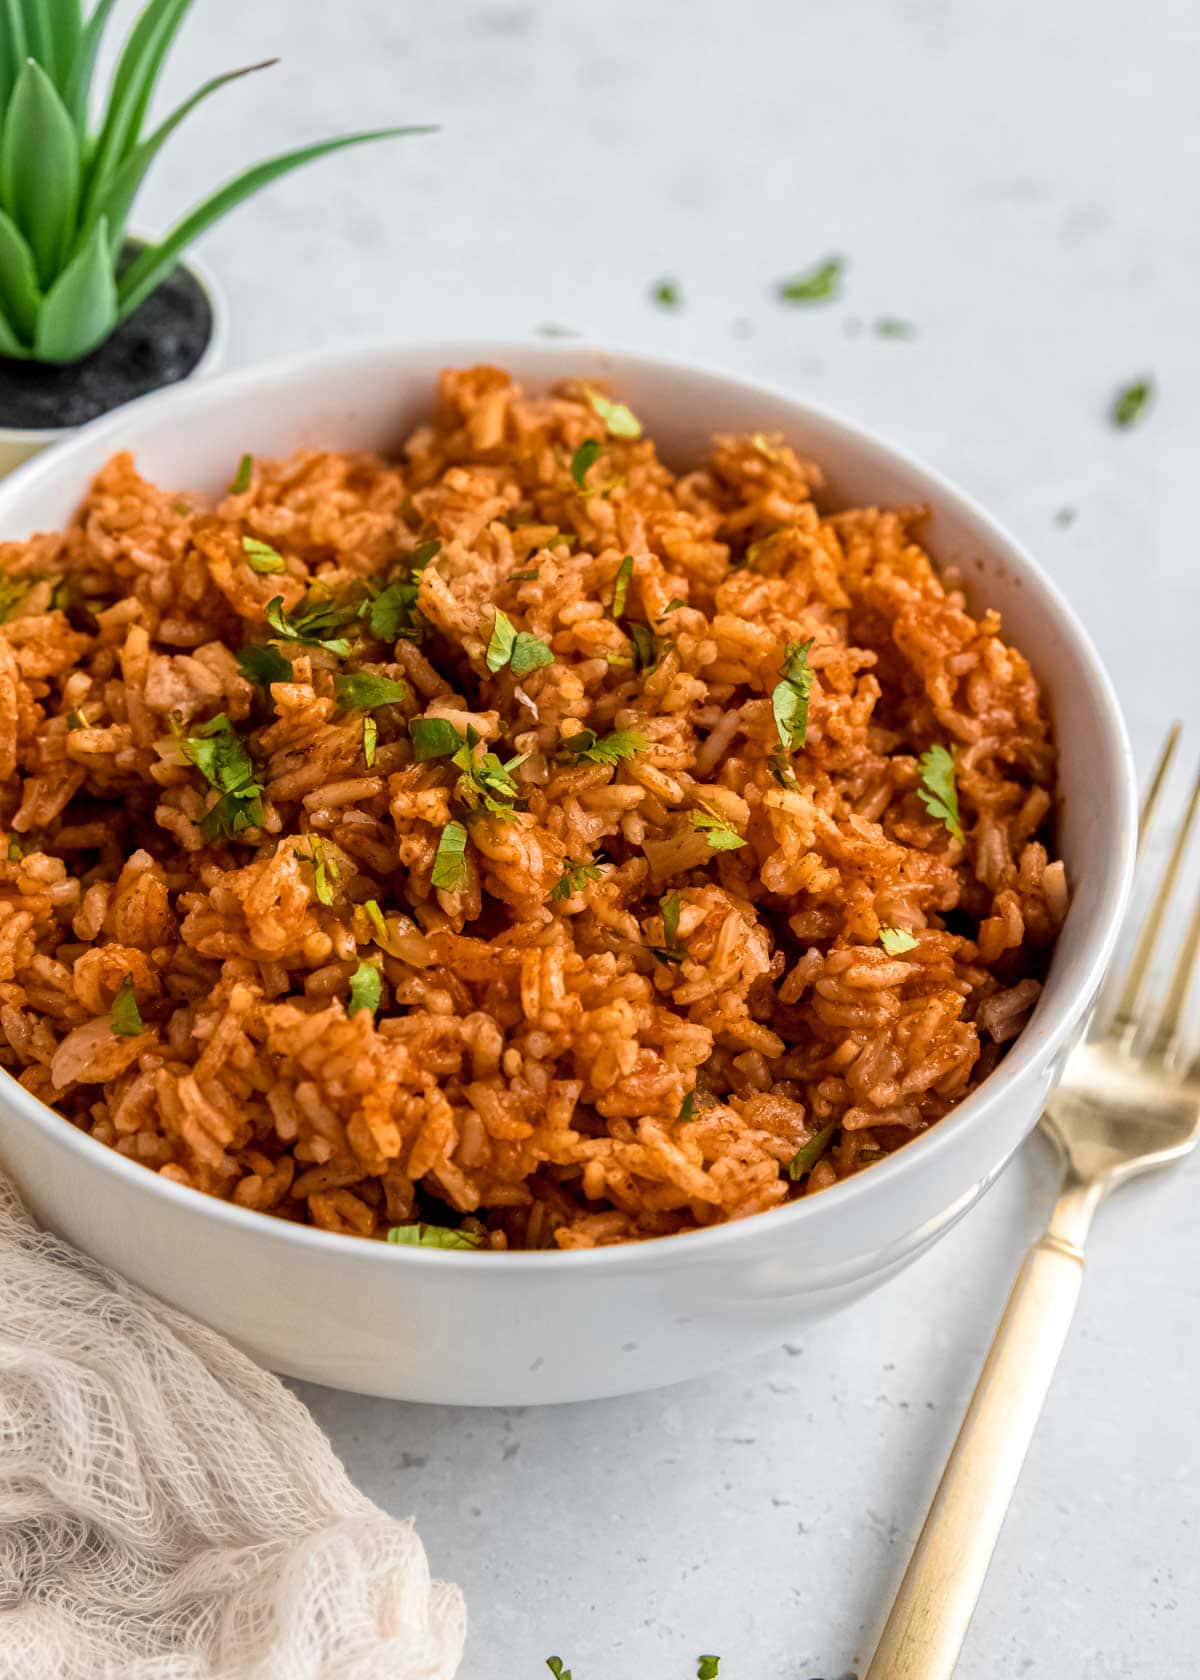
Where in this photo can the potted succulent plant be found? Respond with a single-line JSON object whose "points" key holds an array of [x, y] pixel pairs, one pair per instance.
{"points": [[90, 316]]}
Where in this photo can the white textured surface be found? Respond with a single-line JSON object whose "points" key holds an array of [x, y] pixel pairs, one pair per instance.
{"points": [[1021, 183]]}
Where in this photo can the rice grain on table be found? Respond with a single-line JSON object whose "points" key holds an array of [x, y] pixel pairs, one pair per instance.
{"points": [[607, 1029]]}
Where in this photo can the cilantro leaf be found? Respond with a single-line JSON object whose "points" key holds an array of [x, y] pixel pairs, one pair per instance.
{"points": [[12, 592], [708, 1668], [808, 1154], [485, 780], [645, 647], [423, 554], [325, 868], [391, 615], [671, 951], [1131, 401], [577, 872], [621, 586], [15, 850], [125, 1015], [891, 326], [896, 941], [366, 989], [364, 689], [264, 665], [817, 285], [672, 606], [720, 834], [262, 557], [619, 421], [789, 697], [687, 1109], [306, 622], [517, 649], [606, 749], [555, 1665], [241, 478], [435, 1236], [524, 577], [433, 737], [370, 738], [583, 460], [451, 871], [938, 791], [667, 294], [217, 752], [375, 916]]}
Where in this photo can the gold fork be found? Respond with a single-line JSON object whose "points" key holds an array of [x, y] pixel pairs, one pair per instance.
{"points": [[1126, 1103]]}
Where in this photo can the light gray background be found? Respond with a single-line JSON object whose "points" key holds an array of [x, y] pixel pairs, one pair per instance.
{"points": [[1020, 182]]}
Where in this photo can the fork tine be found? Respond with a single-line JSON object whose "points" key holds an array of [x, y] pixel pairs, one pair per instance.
{"points": [[1125, 1013], [1168, 1030], [1150, 802]]}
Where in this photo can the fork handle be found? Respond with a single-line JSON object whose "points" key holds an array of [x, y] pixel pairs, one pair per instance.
{"points": [[928, 1622]]}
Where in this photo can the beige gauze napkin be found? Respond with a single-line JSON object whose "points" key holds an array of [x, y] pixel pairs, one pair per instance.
{"points": [[169, 1511]]}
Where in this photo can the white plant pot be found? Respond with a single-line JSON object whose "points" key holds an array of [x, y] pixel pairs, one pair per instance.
{"points": [[18, 443]]}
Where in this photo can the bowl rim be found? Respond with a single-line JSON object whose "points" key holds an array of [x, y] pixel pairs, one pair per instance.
{"points": [[1031, 1051]]}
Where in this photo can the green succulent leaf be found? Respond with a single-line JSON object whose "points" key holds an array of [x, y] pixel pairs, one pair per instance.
{"points": [[19, 295], [124, 184], [129, 97], [156, 262], [40, 168], [80, 309]]}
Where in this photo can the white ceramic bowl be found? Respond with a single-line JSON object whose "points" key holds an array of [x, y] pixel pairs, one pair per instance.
{"points": [[526, 1328]]}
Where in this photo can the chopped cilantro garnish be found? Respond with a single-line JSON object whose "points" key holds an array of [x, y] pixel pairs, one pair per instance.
{"points": [[577, 872], [789, 697], [938, 791], [555, 1665], [645, 647], [375, 916], [687, 1108], [517, 649], [364, 689], [436, 1236], [217, 752], [392, 614], [720, 834], [433, 738], [896, 941], [485, 780], [619, 421], [423, 554], [263, 665], [808, 1154], [125, 1015], [621, 586], [451, 871], [12, 592], [78, 719], [1131, 401], [672, 606], [605, 749], [325, 868], [583, 460], [307, 622], [261, 556], [370, 737], [241, 478], [366, 988], [553, 329], [670, 951], [817, 285], [15, 851], [667, 294], [891, 326], [708, 1668], [524, 577]]}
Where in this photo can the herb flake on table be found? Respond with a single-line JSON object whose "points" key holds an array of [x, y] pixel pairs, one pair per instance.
{"points": [[125, 1015], [891, 326], [717, 830], [667, 294], [261, 557], [1130, 402], [789, 697], [708, 1668], [808, 1154], [241, 478], [521, 651], [216, 750], [938, 791], [896, 941], [420, 1235], [364, 690], [555, 1665], [819, 284], [366, 989], [451, 871]]}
